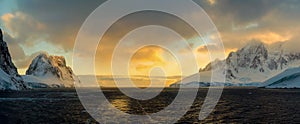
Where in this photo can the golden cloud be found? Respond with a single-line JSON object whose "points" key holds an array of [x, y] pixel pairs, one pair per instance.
{"points": [[211, 2], [147, 58], [270, 37], [7, 17]]}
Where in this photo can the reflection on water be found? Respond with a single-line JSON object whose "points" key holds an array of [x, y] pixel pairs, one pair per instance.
{"points": [[141, 107], [121, 104], [237, 105]]}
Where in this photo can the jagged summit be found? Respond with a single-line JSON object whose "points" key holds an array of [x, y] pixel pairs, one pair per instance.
{"points": [[255, 47], [1, 35], [9, 77], [51, 70], [255, 63], [6, 63], [45, 61]]}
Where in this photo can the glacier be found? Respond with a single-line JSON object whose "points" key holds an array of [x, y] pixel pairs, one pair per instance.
{"points": [[290, 78]]}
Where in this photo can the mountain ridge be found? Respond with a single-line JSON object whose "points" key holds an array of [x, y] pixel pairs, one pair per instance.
{"points": [[255, 62], [10, 78]]}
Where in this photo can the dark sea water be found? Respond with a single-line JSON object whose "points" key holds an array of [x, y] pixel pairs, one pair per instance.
{"points": [[237, 105]]}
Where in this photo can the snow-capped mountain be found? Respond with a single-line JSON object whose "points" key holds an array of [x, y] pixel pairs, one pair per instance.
{"points": [[9, 76], [256, 62], [290, 78], [50, 70]]}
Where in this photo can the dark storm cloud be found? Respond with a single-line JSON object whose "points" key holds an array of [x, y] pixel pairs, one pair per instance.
{"points": [[63, 18], [242, 20], [244, 11], [240, 11], [54, 21]]}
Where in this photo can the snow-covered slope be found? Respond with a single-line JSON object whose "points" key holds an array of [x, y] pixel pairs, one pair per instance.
{"points": [[256, 62], [50, 70], [5, 82], [205, 81], [9, 77], [290, 78], [250, 65]]}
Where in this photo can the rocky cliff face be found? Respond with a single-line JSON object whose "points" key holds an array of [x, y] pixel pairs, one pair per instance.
{"points": [[51, 70], [10, 79], [255, 63]]}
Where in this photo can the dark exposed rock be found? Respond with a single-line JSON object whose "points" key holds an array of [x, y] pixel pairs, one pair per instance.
{"points": [[8, 66]]}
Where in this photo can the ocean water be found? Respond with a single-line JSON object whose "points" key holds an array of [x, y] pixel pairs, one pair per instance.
{"points": [[237, 105]]}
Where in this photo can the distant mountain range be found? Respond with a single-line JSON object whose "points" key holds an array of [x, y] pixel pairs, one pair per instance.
{"points": [[44, 71], [251, 65], [256, 64]]}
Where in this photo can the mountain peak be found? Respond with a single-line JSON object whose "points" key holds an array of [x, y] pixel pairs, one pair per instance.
{"points": [[252, 45], [53, 67], [6, 62], [1, 35], [9, 78], [255, 62], [255, 48], [43, 54]]}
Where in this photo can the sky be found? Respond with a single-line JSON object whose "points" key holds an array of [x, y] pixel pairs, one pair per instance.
{"points": [[35, 26]]}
